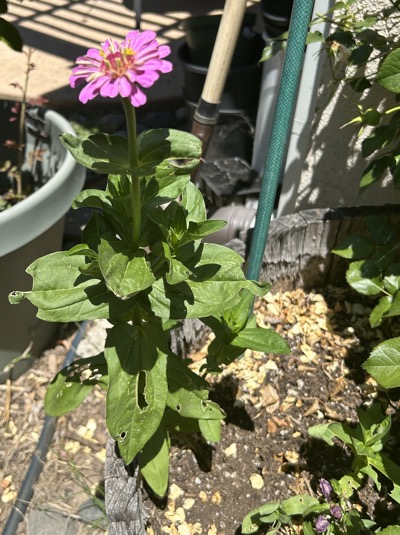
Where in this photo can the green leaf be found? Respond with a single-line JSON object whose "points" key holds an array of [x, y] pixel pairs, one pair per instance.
{"points": [[375, 171], [82, 249], [137, 392], [263, 340], [360, 54], [125, 272], [395, 306], [175, 421], [360, 84], [177, 272], [380, 137], [92, 198], [252, 522], [199, 230], [384, 363], [271, 50], [154, 461], [389, 72], [73, 383], [187, 393], [308, 529], [193, 202], [391, 279], [345, 486], [328, 432], [355, 247], [375, 426], [297, 505], [213, 288], [364, 277], [344, 38], [380, 311], [314, 37], [390, 530], [63, 294], [99, 152], [169, 147], [211, 430], [10, 35]]}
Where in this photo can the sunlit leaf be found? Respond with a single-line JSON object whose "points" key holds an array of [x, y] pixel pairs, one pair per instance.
{"points": [[364, 277], [73, 384], [62, 293], [389, 72], [384, 363], [355, 247]]}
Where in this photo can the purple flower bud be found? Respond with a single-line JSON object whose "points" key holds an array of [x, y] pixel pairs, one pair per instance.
{"points": [[336, 512], [325, 488], [321, 524]]}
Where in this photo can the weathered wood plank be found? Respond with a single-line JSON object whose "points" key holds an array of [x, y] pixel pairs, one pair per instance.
{"points": [[123, 497], [298, 251]]}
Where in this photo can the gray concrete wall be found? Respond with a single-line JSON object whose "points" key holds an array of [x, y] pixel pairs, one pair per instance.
{"points": [[333, 162]]}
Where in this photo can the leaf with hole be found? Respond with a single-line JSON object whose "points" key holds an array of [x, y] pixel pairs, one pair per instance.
{"points": [[137, 391], [62, 293], [73, 384]]}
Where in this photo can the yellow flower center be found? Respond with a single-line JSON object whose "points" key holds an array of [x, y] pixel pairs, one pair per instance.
{"points": [[117, 60]]}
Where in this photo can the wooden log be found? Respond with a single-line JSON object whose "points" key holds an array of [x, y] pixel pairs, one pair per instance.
{"points": [[298, 252], [123, 498]]}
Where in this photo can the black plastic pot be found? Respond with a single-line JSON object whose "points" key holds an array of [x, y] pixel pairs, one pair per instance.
{"points": [[201, 32], [276, 16], [242, 87]]}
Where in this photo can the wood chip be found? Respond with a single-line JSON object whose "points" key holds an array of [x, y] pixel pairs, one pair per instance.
{"points": [[256, 481], [231, 451], [313, 409], [216, 498]]}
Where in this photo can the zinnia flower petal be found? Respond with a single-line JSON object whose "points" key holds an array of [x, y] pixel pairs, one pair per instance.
{"points": [[121, 68]]}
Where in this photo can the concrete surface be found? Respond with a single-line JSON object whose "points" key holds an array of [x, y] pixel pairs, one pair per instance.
{"points": [[61, 30]]}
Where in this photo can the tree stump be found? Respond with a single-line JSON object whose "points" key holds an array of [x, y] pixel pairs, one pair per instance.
{"points": [[298, 251]]}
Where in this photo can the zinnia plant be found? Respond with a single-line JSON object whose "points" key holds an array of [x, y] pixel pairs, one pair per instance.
{"points": [[144, 266]]}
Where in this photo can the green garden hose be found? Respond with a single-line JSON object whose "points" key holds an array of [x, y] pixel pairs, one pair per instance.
{"points": [[298, 29]]}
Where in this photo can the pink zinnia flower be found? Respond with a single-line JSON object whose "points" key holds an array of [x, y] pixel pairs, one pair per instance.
{"points": [[119, 68]]}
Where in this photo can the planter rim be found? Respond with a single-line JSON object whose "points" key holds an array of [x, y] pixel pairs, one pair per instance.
{"points": [[32, 216]]}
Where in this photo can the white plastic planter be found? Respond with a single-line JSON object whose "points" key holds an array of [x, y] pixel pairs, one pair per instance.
{"points": [[30, 229]]}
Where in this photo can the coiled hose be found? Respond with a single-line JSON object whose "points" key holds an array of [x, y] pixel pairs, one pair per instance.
{"points": [[37, 462]]}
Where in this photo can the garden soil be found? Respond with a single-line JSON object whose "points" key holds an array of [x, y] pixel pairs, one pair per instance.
{"points": [[265, 452]]}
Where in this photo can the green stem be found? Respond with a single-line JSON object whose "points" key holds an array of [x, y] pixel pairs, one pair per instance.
{"points": [[133, 165]]}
